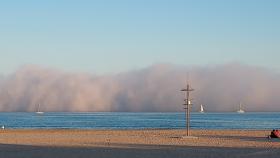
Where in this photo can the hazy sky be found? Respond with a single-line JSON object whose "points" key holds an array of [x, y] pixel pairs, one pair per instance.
{"points": [[154, 89], [117, 35]]}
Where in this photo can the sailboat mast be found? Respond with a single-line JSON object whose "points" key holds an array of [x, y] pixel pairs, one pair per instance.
{"points": [[38, 109]]}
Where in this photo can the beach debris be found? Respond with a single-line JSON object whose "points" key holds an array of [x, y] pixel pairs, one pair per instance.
{"points": [[108, 141]]}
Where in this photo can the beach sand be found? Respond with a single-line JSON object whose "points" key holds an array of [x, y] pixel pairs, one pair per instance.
{"points": [[137, 143]]}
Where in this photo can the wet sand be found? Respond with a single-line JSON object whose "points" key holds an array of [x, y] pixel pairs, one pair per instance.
{"points": [[137, 143]]}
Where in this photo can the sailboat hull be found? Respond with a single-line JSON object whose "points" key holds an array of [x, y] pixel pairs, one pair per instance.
{"points": [[240, 109], [201, 109]]}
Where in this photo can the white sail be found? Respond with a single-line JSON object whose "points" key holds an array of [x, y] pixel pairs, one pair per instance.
{"points": [[38, 110], [201, 109], [240, 109]]}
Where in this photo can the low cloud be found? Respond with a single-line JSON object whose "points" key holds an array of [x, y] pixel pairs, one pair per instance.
{"points": [[155, 88]]}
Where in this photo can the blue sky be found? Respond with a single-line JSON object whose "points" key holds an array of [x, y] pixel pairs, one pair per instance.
{"points": [[111, 36]]}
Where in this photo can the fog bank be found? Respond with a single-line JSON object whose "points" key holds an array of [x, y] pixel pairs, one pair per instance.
{"points": [[155, 88]]}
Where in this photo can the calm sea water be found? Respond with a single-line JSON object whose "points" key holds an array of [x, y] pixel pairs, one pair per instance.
{"points": [[125, 120]]}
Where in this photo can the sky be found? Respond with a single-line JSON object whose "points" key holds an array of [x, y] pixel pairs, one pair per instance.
{"points": [[109, 36]]}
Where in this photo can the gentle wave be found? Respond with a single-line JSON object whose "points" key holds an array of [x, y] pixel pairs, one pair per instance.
{"points": [[128, 120]]}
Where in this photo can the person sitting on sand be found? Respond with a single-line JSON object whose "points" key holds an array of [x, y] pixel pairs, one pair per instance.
{"points": [[274, 134]]}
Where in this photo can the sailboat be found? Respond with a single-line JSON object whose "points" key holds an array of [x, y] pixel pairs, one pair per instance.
{"points": [[201, 109], [240, 109], [38, 110]]}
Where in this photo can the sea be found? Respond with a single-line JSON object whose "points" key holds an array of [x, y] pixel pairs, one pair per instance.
{"points": [[140, 120]]}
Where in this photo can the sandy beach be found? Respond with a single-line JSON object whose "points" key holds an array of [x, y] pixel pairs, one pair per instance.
{"points": [[137, 143]]}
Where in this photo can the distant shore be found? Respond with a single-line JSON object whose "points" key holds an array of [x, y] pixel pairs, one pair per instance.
{"points": [[140, 143]]}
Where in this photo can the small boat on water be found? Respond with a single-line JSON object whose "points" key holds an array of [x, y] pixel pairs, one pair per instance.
{"points": [[240, 109], [201, 110], [38, 110]]}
